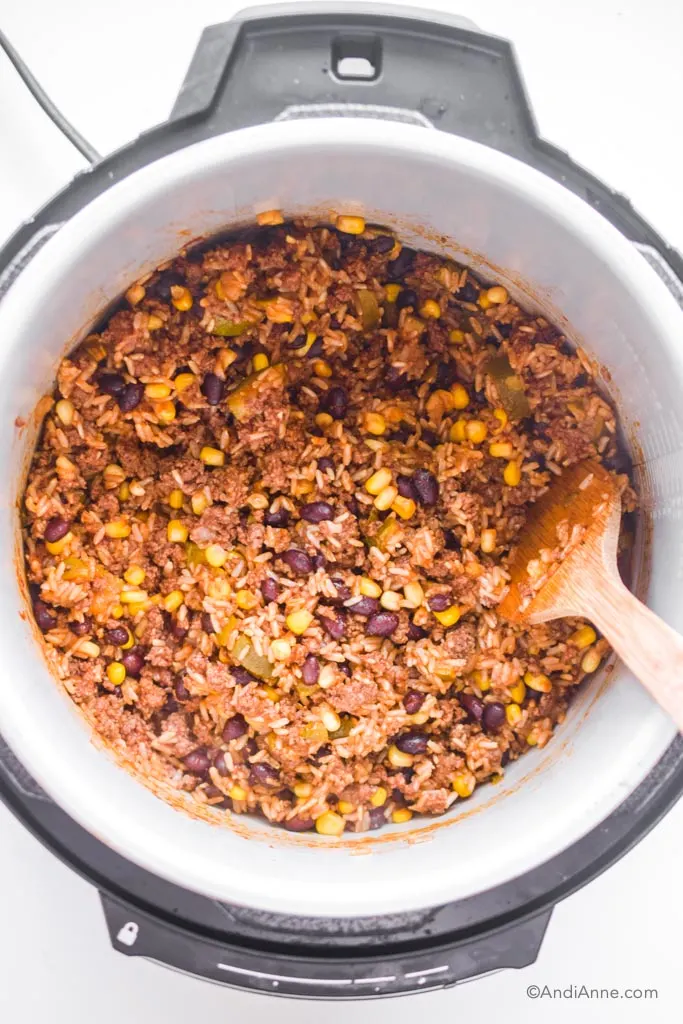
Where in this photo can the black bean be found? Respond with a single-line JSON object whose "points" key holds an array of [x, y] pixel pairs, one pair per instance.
{"points": [[396, 381], [130, 397], [401, 434], [325, 463], [111, 383], [212, 792], [405, 487], [426, 486], [412, 742], [376, 817], [334, 627], [365, 606], [298, 824], [170, 705], [439, 602], [81, 628], [264, 774], [406, 297], [345, 668], [317, 511], [316, 349], [56, 528], [181, 691], [44, 617], [397, 795], [118, 636], [318, 561], [234, 728], [298, 561], [493, 717], [343, 592], [213, 389], [161, 289], [220, 764], [270, 589], [429, 437], [382, 624], [207, 623], [278, 519], [468, 293], [240, 675], [133, 661], [178, 630], [337, 402], [505, 757], [416, 632], [198, 761], [324, 751], [382, 243], [310, 670], [297, 342], [250, 748], [452, 540], [286, 794], [413, 701], [402, 264], [505, 329], [472, 705]]}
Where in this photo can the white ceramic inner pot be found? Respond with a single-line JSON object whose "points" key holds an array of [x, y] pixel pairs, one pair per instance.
{"points": [[438, 192]]}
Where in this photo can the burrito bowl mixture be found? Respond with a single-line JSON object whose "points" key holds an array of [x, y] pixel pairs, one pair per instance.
{"points": [[268, 519]]}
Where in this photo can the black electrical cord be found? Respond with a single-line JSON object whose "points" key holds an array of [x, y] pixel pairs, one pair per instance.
{"points": [[39, 94]]}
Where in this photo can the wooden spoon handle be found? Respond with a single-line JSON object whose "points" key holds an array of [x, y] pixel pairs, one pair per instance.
{"points": [[651, 649]]}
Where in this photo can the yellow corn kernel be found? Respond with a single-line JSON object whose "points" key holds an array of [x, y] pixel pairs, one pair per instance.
{"points": [[329, 823], [391, 600], [379, 797], [327, 677], [260, 362], [216, 555], [88, 649], [532, 736], [344, 807], [374, 423], [237, 792], [124, 491], [392, 292], [181, 298], [456, 336], [350, 225], [212, 456], [497, 295], [487, 541], [113, 475], [65, 412], [463, 783], [118, 529], [303, 790], [280, 650], [133, 596], [56, 547], [135, 294], [184, 381], [518, 692], [299, 621], [245, 599], [458, 432], [513, 713], [154, 322], [270, 218], [386, 497], [116, 672], [502, 418], [484, 300], [323, 419], [475, 431], [430, 309], [321, 368], [369, 588], [173, 601], [481, 680], [175, 499], [420, 717], [590, 661], [461, 399], [199, 502], [330, 720], [583, 637], [449, 616], [165, 412], [378, 481], [135, 575], [401, 815], [155, 392], [512, 474], [500, 450], [414, 594], [404, 507], [271, 693], [225, 358], [538, 682], [117, 611], [257, 500], [398, 759], [176, 532]]}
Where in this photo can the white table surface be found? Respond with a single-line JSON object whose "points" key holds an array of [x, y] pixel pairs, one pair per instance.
{"points": [[606, 80]]}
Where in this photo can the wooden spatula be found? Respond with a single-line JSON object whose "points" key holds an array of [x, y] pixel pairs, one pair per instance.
{"points": [[577, 521]]}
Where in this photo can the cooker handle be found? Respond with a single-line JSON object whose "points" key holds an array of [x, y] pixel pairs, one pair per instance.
{"points": [[380, 60]]}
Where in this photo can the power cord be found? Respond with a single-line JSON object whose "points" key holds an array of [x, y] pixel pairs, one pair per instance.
{"points": [[39, 94]]}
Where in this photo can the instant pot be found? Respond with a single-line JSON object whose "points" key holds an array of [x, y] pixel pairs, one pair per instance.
{"points": [[420, 122]]}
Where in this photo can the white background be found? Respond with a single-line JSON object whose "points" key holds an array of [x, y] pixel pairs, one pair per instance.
{"points": [[606, 82]]}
